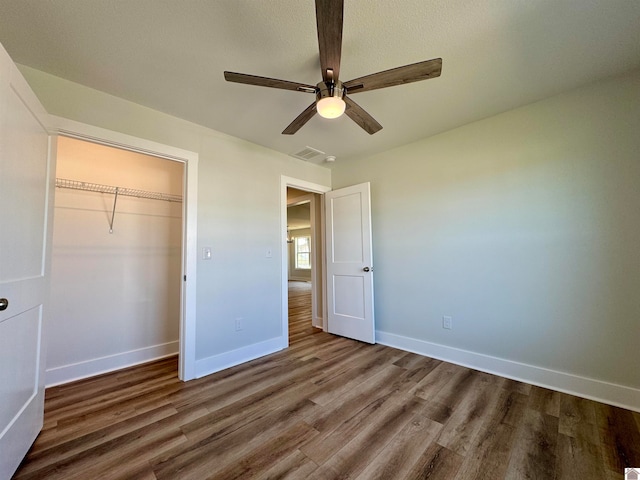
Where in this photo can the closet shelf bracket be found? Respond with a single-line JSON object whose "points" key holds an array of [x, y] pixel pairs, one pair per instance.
{"points": [[113, 212]]}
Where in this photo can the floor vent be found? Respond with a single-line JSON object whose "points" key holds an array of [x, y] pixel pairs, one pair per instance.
{"points": [[308, 153]]}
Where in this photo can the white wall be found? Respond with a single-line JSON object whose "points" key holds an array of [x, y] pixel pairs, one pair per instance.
{"points": [[525, 228], [238, 216], [115, 298]]}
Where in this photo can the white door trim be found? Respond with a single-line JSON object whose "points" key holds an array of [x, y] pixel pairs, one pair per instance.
{"points": [[300, 185], [82, 131]]}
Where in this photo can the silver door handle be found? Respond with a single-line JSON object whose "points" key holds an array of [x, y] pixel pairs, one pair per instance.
{"points": [[367, 269], [4, 303]]}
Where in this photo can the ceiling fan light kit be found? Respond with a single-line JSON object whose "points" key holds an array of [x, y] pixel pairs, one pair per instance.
{"points": [[332, 98], [329, 99]]}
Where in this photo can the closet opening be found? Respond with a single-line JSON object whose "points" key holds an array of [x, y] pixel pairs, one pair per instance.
{"points": [[117, 260]]}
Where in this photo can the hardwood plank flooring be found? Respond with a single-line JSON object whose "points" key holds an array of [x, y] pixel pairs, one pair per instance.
{"points": [[326, 408]]}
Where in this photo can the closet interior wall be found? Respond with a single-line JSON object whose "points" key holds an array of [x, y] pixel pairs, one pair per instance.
{"points": [[115, 297]]}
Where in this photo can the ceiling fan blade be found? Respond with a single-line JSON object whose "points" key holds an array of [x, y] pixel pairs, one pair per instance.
{"points": [[356, 113], [300, 120], [396, 76], [329, 15], [268, 82]]}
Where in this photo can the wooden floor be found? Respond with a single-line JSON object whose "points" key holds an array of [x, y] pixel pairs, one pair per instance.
{"points": [[326, 408]]}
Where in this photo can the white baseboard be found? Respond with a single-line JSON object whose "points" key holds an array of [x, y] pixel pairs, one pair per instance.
{"points": [[96, 366], [215, 363], [318, 322], [612, 394]]}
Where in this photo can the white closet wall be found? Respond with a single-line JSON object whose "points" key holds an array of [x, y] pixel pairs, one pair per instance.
{"points": [[115, 296]]}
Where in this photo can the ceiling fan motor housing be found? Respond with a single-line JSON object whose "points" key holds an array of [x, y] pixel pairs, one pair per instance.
{"points": [[330, 89]]}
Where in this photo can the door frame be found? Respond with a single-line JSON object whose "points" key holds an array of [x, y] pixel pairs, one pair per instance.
{"points": [[311, 188], [81, 131]]}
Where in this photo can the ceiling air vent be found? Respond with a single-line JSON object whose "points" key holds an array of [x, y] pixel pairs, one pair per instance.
{"points": [[308, 154]]}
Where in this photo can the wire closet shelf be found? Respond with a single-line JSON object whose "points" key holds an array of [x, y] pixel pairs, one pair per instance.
{"points": [[116, 191], [127, 192]]}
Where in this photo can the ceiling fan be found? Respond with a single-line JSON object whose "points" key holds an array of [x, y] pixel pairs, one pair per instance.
{"points": [[332, 98]]}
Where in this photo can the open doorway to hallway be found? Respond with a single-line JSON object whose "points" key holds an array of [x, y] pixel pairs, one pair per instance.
{"points": [[296, 191], [303, 265]]}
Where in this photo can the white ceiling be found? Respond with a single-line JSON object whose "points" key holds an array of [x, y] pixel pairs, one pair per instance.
{"points": [[170, 55]]}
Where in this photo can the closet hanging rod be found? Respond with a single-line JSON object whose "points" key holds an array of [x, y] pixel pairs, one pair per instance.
{"points": [[129, 192]]}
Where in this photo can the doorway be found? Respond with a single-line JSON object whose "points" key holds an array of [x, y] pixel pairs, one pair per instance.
{"points": [[300, 264], [346, 258], [69, 128], [294, 193], [117, 260]]}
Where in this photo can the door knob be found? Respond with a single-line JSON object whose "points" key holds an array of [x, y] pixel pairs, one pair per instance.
{"points": [[4, 303], [367, 269]]}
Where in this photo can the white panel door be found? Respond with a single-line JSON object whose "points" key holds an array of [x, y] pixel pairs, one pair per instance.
{"points": [[349, 263], [25, 207]]}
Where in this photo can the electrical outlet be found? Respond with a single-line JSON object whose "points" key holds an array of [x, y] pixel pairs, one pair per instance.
{"points": [[447, 322], [238, 324]]}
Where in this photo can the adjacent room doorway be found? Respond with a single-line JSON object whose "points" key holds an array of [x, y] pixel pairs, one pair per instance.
{"points": [[303, 265], [342, 285]]}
